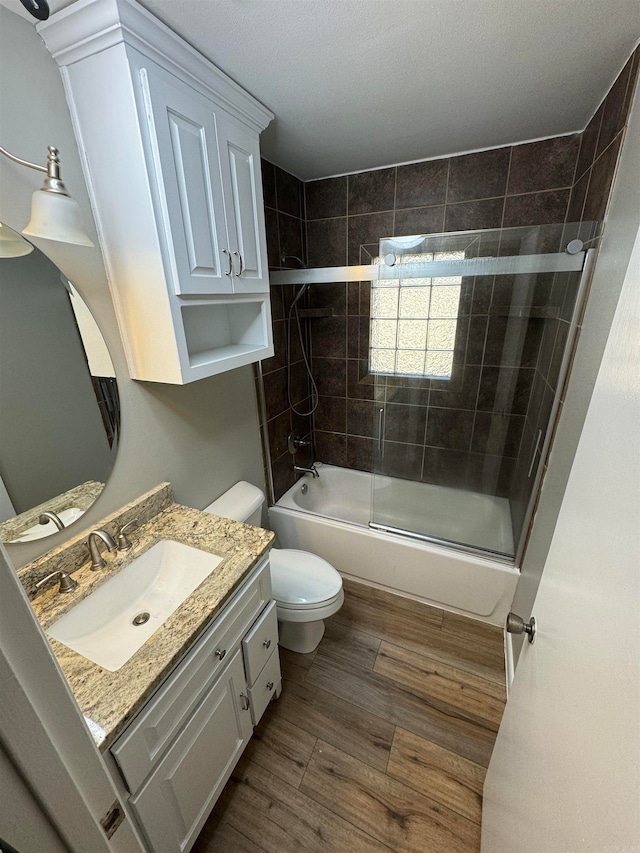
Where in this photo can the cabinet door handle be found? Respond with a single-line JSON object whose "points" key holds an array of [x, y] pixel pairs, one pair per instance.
{"points": [[245, 702], [266, 644], [270, 685], [241, 265], [230, 270], [220, 653]]}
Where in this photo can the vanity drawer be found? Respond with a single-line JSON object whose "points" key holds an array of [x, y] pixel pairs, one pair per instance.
{"points": [[260, 642], [266, 687], [152, 731]]}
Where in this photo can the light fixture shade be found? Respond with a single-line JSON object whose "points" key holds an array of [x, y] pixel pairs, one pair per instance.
{"points": [[56, 217], [12, 245]]}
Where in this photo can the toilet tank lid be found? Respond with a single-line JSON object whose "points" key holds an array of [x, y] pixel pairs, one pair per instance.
{"points": [[238, 502]]}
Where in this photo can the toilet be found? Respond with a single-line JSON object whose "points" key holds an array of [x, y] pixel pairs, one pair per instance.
{"points": [[306, 588]]}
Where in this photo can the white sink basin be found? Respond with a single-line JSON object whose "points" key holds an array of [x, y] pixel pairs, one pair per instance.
{"points": [[39, 531], [101, 627]]}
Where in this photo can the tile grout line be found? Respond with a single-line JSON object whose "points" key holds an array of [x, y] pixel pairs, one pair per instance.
{"points": [[505, 195]]}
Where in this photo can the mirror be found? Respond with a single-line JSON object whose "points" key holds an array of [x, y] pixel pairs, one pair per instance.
{"points": [[59, 405]]}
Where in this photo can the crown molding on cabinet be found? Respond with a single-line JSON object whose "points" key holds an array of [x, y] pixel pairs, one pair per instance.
{"points": [[88, 27]]}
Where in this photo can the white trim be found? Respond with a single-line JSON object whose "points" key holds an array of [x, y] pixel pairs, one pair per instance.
{"points": [[442, 156], [610, 87]]}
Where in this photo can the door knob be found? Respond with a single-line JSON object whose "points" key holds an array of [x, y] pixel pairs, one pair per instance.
{"points": [[517, 625]]}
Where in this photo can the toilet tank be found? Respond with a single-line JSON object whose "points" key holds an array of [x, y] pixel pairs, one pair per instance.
{"points": [[242, 502]]}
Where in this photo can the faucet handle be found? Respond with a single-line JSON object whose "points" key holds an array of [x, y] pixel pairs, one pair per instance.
{"points": [[67, 583], [124, 543]]}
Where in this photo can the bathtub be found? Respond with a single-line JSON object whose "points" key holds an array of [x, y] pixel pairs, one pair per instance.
{"points": [[332, 517]]}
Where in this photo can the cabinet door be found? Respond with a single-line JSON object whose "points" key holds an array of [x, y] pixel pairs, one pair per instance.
{"points": [[174, 803], [184, 150], [242, 184]]}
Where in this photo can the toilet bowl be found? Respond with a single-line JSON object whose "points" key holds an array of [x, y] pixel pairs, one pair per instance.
{"points": [[306, 588]]}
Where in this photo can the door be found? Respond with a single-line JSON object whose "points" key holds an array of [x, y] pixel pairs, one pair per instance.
{"points": [[184, 150], [242, 185], [565, 772], [55, 763]]}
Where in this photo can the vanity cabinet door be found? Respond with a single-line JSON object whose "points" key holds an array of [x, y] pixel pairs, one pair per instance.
{"points": [[242, 186], [174, 803], [184, 151]]}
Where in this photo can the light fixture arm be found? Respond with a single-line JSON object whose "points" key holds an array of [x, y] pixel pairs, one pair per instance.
{"points": [[21, 162], [52, 183]]}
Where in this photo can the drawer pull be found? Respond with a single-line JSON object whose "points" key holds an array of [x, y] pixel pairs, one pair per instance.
{"points": [[266, 644], [244, 702], [220, 653], [270, 685]]}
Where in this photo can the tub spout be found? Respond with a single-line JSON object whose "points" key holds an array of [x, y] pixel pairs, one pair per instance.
{"points": [[312, 470]]}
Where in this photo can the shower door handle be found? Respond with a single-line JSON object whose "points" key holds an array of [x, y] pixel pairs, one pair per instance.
{"points": [[535, 450], [380, 430]]}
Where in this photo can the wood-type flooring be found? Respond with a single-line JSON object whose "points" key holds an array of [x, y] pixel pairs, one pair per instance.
{"points": [[379, 742]]}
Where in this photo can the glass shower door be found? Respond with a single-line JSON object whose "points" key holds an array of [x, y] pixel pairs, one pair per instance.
{"points": [[467, 336]]}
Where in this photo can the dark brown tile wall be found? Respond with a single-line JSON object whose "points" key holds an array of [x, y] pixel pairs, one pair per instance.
{"points": [[473, 431], [284, 217], [461, 432], [599, 148]]}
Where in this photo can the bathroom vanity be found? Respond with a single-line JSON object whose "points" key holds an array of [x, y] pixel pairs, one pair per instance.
{"points": [[174, 719], [178, 752]]}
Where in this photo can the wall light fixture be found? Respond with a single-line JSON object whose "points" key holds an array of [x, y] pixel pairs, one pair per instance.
{"points": [[54, 214]]}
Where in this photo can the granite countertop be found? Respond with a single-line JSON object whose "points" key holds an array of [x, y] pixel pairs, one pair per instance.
{"points": [[110, 699], [82, 497]]}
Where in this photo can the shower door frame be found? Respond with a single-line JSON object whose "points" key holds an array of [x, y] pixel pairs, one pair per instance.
{"points": [[516, 558], [484, 265]]}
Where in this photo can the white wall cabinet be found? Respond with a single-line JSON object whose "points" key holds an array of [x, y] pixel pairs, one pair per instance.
{"points": [[208, 173], [178, 752], [170, 148]]}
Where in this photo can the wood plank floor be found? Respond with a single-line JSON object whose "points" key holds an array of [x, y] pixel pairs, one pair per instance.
{"points": [[379, 742]]}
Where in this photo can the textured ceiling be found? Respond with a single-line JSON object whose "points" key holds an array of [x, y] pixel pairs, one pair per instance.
{"points": [[357, 84]]}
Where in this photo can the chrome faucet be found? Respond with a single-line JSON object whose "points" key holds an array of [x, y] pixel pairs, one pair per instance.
{"points": [[97, 561], [47, 516], [312, 470]]}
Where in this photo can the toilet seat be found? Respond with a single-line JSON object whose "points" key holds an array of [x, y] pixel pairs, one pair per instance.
{"points": [[303, 581], [311, 612]]}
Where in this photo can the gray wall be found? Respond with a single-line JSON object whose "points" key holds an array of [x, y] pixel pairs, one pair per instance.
{"points": [[52, 435], [201, 437]]}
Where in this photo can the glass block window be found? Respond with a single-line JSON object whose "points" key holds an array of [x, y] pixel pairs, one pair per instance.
{"points": [[413, 322]]}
